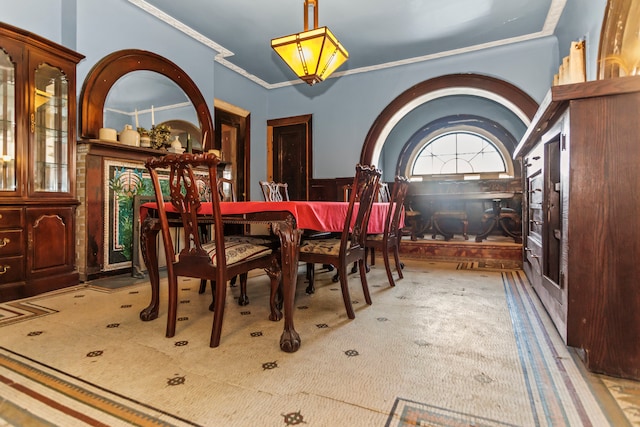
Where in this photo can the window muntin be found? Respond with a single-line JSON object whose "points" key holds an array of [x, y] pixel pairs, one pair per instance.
{"points": [[460, 152]]}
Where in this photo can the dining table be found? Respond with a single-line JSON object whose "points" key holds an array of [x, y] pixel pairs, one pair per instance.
{"points": [[288, 219]]}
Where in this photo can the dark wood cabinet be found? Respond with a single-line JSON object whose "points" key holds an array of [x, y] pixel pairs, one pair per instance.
{"points": [[328, 189], [37, 166], [581, 159]]}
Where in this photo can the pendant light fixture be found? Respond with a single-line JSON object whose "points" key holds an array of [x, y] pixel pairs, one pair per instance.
{"points": [[313, 54]]}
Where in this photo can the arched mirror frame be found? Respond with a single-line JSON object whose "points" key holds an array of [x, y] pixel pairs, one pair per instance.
{"points": [[115, 65]]}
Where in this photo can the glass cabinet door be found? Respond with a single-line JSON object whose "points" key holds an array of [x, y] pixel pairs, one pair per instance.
{"points": [[7, 123], [50, 131]]}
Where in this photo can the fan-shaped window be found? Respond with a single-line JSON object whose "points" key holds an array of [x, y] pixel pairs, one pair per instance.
{"points": [[457, 148], [456, 153]]}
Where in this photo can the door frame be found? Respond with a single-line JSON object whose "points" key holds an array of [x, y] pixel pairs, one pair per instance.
{"points": [[243, 118], [289, 121]]}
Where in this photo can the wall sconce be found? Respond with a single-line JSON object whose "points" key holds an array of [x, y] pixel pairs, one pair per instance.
{"points": [[313, 54]]}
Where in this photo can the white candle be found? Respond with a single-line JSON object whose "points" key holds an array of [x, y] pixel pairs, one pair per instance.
{"points": [[153, 117], [137, 126]]}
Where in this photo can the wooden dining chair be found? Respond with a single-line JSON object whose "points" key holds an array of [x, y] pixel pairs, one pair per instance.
{"points": [[381, 196], [227, 193], [279, 192], [351, 245], [217, 260], [235, 232], [389, 241], [275, 191]]}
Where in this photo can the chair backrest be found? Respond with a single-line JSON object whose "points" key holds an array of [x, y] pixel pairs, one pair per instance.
{"points": [[383, 195], [362, 195], [396, 204], [185, 195], [226, 190], [275, 191]]}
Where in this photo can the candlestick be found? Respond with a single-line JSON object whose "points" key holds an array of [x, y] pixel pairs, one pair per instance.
{"points": [[153, 117], [137, 126]]}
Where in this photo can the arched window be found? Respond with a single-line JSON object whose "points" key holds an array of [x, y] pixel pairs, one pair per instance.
{"points": [[453, 149], [454, 153]]}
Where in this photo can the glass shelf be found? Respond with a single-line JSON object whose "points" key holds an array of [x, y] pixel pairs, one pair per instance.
{"points": [[50, 131], [7, 123]]}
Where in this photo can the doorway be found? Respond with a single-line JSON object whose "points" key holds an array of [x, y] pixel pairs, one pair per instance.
{"points": [[289, 154], [232, 138]]}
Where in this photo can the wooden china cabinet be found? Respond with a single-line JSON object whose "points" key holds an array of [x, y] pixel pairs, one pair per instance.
{"points": [[37, 164], [581, 162]]}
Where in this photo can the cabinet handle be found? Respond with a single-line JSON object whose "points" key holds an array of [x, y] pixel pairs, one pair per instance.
{"points": [[5, 268], [533, 190], [535, 221], [4, 242], [531, 255], [33, 122], [536, 158]]}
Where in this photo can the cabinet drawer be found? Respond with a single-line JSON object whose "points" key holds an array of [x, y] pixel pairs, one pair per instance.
{"points": [[533, 162], [11, 218], [11, 269], [11, 242], [533, 254], [536, 221], [536, 190]]}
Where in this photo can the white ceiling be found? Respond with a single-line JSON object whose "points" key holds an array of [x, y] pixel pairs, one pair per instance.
{"points": [[377, 33]]}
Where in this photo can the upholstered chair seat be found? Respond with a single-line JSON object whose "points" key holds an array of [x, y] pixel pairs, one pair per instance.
{"points": [[321, 246]]}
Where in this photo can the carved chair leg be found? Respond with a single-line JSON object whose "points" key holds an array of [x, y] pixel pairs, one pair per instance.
{"points": [[311, 287], [203, 286], [387, 266], [363, 279], [399, 264], [275, 297], [212, 306], [243, 299], [354, 269], [344, 285], [172, 306], [218, 314]]}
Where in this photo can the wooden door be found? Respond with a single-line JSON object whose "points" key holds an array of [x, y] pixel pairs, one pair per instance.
{"points": [[232, 139], [291, 154]]}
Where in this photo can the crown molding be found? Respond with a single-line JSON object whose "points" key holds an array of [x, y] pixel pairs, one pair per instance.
{"points": [[551, 22]]}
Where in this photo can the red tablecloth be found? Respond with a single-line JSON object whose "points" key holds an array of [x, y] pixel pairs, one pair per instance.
{"points": [[318, 216]]}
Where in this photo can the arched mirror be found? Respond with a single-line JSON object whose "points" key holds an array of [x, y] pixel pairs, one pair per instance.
{"points": [[145, 99], [144, 89]]}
